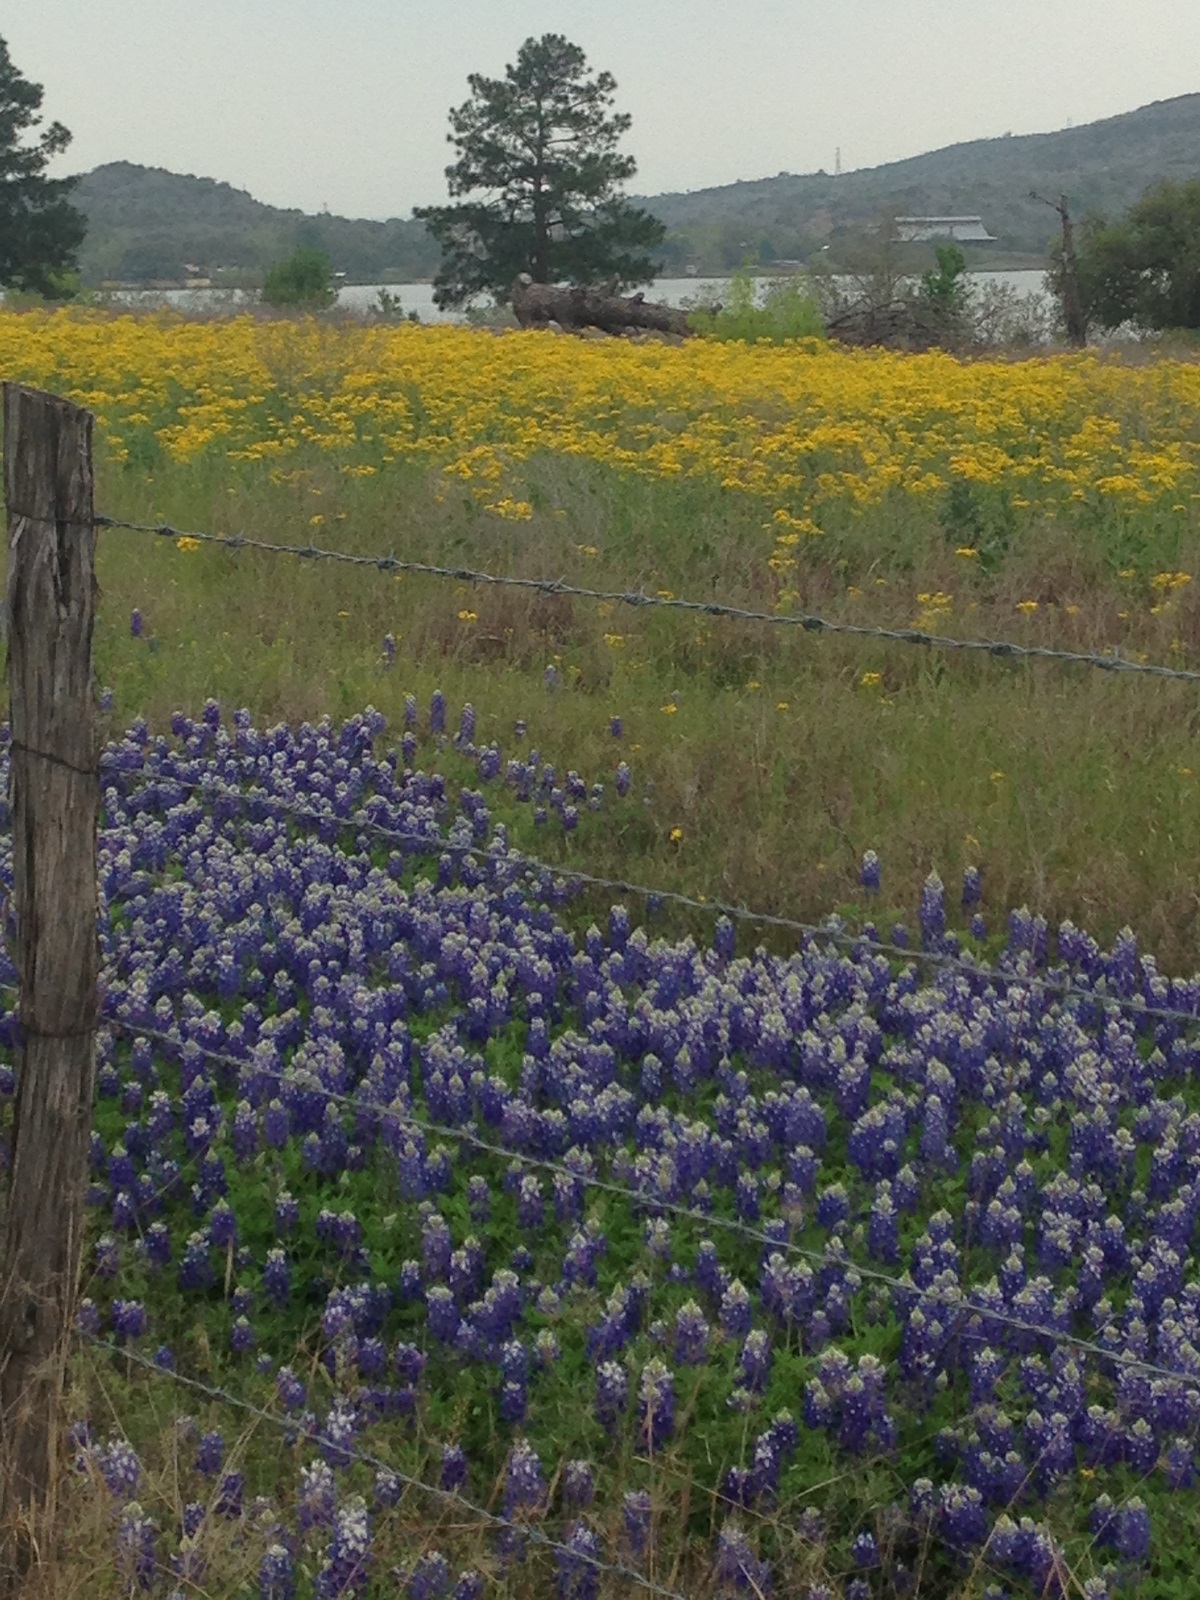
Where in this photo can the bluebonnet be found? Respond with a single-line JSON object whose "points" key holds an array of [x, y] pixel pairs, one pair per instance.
{"points": [[635, 1518], [612, 1392], [691, 1335], [347, 1564], [430, 1578], [656, 1404], [525, 1482], [277, 1573], [454, 1467], [137, 1538], [120, 1468], [737, 1565], [210, 1453], [577, 1559], [579, 1484]]}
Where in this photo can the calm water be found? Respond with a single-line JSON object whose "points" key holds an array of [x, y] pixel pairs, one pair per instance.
{"points": [[418, 297]]}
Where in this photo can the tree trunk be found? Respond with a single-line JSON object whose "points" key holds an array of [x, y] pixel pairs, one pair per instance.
{"points": [[1073, 315], [536, 304]]}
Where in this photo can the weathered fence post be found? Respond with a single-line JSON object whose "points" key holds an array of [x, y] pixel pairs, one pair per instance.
{"points": [[54, 797]]}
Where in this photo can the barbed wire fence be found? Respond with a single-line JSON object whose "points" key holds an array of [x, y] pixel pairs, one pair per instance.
{"points": [[50, 518], [809, 622], [1022, 974]]}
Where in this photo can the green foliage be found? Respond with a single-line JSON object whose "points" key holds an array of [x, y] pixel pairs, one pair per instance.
{"points": [[945, 291], [538, 151], [145, 222], [304, 281], [1105, 165], [40, 231], [390, 308], [788, 311], [1145, 268]]}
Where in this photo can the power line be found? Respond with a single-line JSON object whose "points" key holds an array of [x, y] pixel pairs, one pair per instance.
{"points": [[810, 622]]}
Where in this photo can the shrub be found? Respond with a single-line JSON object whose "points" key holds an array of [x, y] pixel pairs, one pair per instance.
{"points": [[788, 311], [304, 280]]}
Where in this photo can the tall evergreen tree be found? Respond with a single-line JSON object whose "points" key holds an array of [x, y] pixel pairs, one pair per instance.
{"points": [[537, 151], [40, 231]]}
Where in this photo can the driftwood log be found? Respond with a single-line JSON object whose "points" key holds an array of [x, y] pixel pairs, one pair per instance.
{"points": [[573, 309]]}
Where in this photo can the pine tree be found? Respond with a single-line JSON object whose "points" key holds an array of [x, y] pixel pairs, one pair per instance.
{"points": [[538, 148], [39, 230]]}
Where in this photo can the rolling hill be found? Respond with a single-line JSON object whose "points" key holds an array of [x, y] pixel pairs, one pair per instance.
{"points": [[1102, 166], [147, 223]]}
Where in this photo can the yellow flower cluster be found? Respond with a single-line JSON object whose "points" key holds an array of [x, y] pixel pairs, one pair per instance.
{"points": [[807, 429]]}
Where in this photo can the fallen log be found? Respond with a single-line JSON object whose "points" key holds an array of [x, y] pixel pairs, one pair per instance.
{"points": [[574, 308]]}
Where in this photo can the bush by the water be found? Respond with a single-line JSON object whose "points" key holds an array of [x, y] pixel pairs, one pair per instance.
{"points": [[786, 311], [303, 282]]}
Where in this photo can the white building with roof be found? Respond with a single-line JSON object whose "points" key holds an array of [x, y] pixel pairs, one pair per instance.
{"points": [[919, 230]]}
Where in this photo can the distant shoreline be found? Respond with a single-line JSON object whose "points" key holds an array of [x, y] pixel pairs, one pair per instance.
{"points": [[993, 261]]}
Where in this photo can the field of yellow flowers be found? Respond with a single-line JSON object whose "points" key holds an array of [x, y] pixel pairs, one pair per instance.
{"points": [[813, 432], [1050, 500]]}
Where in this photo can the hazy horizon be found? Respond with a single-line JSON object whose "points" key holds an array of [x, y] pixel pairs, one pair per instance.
{"points": [[309, 105]]}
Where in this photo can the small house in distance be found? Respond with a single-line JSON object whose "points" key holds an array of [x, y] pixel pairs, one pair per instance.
{"points": [[920, 230]]}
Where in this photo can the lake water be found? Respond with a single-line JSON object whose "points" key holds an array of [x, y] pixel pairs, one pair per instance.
{"points": [[418, 297]]}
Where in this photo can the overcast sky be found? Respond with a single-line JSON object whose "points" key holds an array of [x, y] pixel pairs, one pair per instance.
{"points": [[343, 102]]}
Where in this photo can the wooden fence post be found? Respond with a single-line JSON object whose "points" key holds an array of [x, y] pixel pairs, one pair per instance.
{"points": [[54, 801]]}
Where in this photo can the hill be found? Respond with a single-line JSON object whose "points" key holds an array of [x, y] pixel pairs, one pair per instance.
{"points": [[147, 223], [1103, 166]]}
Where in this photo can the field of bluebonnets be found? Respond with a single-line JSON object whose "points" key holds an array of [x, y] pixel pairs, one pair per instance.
{"points": [[458, 1228]]}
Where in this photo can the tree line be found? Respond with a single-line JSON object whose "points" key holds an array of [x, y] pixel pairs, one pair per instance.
{"points": [[537, 188]]}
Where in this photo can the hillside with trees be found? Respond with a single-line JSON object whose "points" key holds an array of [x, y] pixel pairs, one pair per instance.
{"points": [[146, 223], [1103, 166]]}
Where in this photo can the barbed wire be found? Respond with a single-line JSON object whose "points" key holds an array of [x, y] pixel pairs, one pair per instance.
{"points": [[955, 1303], [1063, 988], [809, 621], [367, 1458]]}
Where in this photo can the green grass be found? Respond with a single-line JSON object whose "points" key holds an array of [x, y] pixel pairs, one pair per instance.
{"points": [[788, 753]]}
